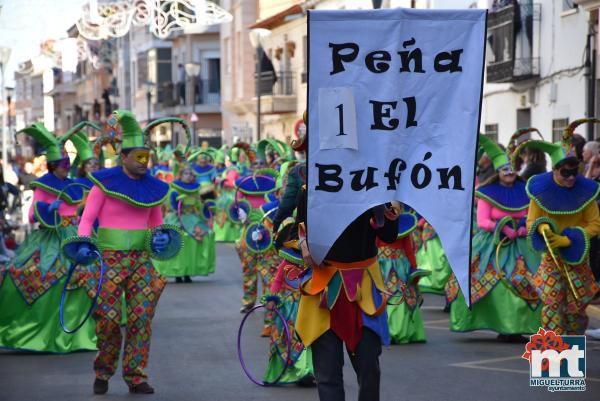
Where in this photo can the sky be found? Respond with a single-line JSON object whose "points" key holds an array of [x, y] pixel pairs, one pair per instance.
{"points": [[24, 24]]}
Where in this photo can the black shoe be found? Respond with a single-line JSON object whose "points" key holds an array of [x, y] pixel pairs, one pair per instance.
{"points": [[512, 338], [447, 308], [100, 386], [187, 279], [142, 388], [307, 381], [178, 280], [246, 308]]}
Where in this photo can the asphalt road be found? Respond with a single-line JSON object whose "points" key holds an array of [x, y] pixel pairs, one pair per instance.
{"points": [[194, 357]]}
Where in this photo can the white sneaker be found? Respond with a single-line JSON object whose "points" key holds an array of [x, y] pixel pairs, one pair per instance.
{"points": [[593, 334]]}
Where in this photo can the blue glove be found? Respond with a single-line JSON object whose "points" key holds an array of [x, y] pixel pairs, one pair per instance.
{"points": [[54, 205], [85, 254], [160, 241]]}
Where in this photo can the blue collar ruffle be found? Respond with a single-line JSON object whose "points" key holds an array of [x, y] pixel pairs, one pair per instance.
{"points": [[186, 188], [508, 199], [54, 185], [555, 199], [260, 184], [203, 170], [145, 192], [85, 181]]}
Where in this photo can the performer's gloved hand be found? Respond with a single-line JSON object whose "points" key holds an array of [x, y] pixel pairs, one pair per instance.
{"points": [[242, 215], [54, 205], [544, 228], [160, 241], [85, 254], [509, 232], [522, 231], [559, 241], [257, 235]]}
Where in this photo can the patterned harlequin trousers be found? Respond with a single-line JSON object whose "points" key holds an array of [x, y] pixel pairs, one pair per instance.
{"points": [[130, 272], [562, 312], [254, 265]]}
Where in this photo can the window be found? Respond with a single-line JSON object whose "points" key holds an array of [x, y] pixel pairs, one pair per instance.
{"points": [[214, 75], [558, 125], [491, 131]]}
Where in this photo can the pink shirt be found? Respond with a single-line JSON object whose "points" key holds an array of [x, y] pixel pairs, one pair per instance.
{"points": [[115, 213], [230, 179], [488, 215], [39, 195]]}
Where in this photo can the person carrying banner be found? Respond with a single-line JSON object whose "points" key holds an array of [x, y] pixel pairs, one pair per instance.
{"points": [[342, 303], [562, 216], [503, 297], [126, 202]]}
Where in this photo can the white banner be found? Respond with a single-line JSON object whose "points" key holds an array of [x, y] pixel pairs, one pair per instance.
{"points": [[394, 105]]}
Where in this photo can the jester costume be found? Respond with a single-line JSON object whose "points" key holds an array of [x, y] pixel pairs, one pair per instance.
{"points": [[285, 283], [398, 267], [255, 249], [31, 284], [193, 217], [129, 214], [503, 296], [285, 286], [561, 220]]}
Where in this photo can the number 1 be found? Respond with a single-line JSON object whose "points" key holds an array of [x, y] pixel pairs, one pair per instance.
{"points": [[340, 108]]}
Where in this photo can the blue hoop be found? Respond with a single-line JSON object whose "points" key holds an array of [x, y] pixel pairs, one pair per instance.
{"points": [[94, 300]]}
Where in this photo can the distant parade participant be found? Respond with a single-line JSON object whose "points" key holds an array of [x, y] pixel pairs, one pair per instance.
{"points": [[503, 297], [563, 216], [205, 171], [284, 292], [193, 216], [401, 276], [31, 284], [258, 261], [227, 226], [126, 200], [86, 161]]}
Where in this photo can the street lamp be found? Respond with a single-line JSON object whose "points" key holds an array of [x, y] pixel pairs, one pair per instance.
{"points": [[193, 70], [149, 86], [256, 37], [4, 56], [9, 93]]}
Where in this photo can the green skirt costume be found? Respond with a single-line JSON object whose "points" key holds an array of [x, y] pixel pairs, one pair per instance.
{"points": [[431, 257], [197, 256], [30, 292], [301, 357], [404, 316], [504, 300], [225, 229]]}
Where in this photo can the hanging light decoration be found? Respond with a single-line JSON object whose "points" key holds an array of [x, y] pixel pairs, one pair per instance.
{"points": [[106, 20]]}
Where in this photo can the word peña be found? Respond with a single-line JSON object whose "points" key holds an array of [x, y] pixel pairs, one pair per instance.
{"points": [[379, 61], [421, 176]]}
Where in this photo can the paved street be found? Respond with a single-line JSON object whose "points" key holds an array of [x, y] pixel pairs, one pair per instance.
{"points": [[194, 358]]}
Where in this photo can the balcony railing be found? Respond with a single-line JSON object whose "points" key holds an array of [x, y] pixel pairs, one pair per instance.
{"points": [[204, 92], [281, 83], [511, 56]]}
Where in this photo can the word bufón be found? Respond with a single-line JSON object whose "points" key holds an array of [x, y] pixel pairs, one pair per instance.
{"points": [[330, 176]]}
